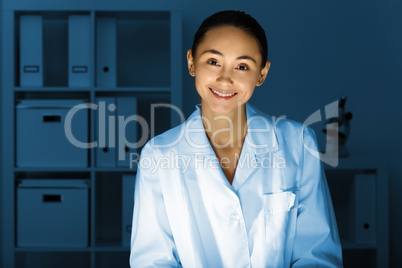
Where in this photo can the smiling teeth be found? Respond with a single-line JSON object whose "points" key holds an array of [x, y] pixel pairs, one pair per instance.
{"points": [[222, 94]]}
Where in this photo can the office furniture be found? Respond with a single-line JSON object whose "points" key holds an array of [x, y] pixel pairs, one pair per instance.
{"points": [[148, 67]]}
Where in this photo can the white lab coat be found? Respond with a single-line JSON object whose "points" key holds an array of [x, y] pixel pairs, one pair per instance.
{"points": [[277, 212]]}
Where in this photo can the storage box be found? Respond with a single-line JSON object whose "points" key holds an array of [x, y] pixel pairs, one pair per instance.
{"points": [[43, 138], [52, 213]]}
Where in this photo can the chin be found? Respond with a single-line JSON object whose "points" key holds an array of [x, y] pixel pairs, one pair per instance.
{"points": [[224, 108]]}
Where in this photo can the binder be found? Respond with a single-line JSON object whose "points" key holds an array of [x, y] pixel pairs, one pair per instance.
{"points": [[106, 49], [127, 207], [31, 50], [126, 107], [79, 50], [106, 132], [364, 222]]}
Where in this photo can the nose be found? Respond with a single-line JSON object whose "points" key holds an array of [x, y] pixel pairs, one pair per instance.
{"points": [[225, 77]]}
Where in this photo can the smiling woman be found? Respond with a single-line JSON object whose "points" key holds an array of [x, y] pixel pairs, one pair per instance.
{"points": [[226, 66], [239, 188]]}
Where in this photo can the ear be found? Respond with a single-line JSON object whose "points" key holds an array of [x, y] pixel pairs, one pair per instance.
{"points": [[264, 73], [190, 62]]}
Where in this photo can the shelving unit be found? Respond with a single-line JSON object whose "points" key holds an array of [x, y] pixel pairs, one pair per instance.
{"points": [[148, 68], [359, 190]]}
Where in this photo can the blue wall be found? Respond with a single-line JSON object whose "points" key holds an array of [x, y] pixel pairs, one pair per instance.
{"points": [[320, 50]]}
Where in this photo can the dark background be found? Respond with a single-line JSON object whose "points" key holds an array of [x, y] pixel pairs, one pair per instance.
{"points": [[319, 51]]}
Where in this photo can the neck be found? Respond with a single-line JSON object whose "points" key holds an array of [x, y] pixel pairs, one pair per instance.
{"points": [[225, 130]]}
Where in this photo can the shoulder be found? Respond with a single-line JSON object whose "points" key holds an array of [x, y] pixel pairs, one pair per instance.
{"points": [[286, 131], [289, 128], [281, 124], [175, 139], [167, 141]]}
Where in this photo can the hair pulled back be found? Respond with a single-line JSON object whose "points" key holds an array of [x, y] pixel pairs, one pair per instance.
{"points": [[237, 19]]}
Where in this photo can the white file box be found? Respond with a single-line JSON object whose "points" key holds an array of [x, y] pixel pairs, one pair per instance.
{"points": [[79, 50], [52, 213], [31, 50], [42, 137]]}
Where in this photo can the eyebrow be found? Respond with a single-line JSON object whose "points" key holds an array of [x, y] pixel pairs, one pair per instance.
{"points": [[213, 51]]}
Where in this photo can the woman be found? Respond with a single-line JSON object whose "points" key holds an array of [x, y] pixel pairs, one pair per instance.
{"points": [[232, 187]]}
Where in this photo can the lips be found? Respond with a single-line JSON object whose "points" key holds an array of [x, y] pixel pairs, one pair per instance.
{"points": [[222, 94]]}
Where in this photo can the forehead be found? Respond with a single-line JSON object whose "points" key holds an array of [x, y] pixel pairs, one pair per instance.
{"points": [[229, 39]]}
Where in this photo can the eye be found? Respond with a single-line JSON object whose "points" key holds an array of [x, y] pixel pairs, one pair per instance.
{"points": [[213, 62], [243, 67]]}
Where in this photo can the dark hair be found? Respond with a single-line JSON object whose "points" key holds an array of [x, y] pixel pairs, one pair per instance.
{"points": [[238, 19]]}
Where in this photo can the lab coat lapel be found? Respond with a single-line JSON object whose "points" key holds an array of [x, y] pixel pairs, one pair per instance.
{"points": [[196, 150], [260, 146], [246, 165], [194, 141]]}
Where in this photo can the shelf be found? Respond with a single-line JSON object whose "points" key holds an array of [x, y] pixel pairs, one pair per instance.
{"points": [[112, 249], [51, 169], [133, 89], [95, 89], [359, 162], [53, 89], [110, 244], [103, 247], [52, 249], [362, 258], [72, 169], [115, 259], [359, 190], [108, 210], [348, 244], [115, 169], [54, 56], [59, 259]]}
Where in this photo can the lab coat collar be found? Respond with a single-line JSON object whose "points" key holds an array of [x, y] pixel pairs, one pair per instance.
{"points": [[195, 141], [261, 132], [261, 140], [261, 135]]}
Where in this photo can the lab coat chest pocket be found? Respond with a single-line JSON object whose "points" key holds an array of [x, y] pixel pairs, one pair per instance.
{"points": [[280, 211]]}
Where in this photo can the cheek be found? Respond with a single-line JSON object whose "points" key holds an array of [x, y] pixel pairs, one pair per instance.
{"points": [[200, 82], [204, 76], [248, 82], [204, 72]]}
